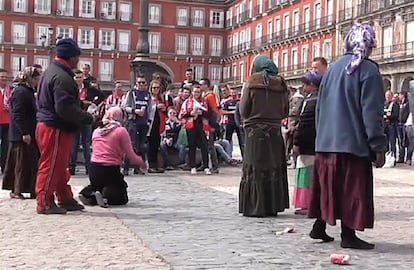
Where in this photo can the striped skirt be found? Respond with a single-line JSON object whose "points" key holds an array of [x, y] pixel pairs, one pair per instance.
{"points": [[303, 181]]}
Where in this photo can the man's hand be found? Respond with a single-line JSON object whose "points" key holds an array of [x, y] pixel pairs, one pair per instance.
{"points": [[27, 139], [161, 107], [379, 159], [139, 112]]}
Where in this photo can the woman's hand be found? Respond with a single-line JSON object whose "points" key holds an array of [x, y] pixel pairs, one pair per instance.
{"points": [[161, 107]]}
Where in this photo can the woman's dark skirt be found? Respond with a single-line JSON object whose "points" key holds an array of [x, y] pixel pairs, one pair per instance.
{"points": [[21, 167], [343, 189], [109, 181], [264, 184]]}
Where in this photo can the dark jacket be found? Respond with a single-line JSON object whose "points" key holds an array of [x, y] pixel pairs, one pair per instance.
{"points": [[22, 113], [404, 112], [395, 113], [94, 95], [261, 105], [58, 100], [237, 117], [171, 130], [305, 133]]}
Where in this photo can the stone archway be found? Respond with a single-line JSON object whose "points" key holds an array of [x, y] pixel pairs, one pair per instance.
{"points": [[147, 67], [405, 84], [386, 83]]}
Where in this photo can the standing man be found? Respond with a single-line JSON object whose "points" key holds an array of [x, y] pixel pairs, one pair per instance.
{"points": [[5, 95], [117, 97], [59, 116], [320, 65], [88, 79], [189, 80]]}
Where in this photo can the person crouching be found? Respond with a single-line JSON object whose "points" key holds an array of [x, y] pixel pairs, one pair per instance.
{"points": [[110, 142]]}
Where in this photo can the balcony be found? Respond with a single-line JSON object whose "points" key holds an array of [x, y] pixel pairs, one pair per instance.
{"points": [[395, 53], [107, 15], [238, 19], [236, 80], [257, 11], [295, 70]]}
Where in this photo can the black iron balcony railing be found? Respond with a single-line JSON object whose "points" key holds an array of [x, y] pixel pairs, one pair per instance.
{"points": [[295, 69], [394, 52], [258, 11]]}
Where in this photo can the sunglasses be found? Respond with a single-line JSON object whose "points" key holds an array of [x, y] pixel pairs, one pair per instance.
{"points": [[141, 82], [155, 87]]}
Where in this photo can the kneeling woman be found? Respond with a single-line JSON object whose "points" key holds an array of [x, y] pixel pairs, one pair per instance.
{"points": [[109, 143]]}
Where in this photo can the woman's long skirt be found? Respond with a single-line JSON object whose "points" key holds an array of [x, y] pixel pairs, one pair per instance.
{"points": [[264, 185], [21, 167], [303, 181], [342, 189], [109, 181]]}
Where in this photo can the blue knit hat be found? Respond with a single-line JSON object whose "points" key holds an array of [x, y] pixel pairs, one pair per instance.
{"points": [[312, 77], [67, 48]]}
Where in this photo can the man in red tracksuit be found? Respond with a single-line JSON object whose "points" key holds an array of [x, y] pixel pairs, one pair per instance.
{"points": [[59, 115]]}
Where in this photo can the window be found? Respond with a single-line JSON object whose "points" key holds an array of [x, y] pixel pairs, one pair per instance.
{"points": [[1, 60], [305, 55], [19, 33], [197, 45], [154, 42], [64, 32], [154, 14], [181, 44], [241, 65], [43, 61], [276, 58], [317, 16], [1, 33], [348, 9], [295, 59], [327, 50], [270, 30], [20, 5], [125, 12], [214, 73], [306, 18], [182, 16], [330, 11], [108, 10], [226, 72], [42, 6], [105, 71], [198, 72], [123, 41], [285, 59], [286, 25], [258, 36], [216, 43], [42, 35], [85, 61], [1, 8], [248, 37], [260, 6], [234, 71], [229, 19], [107, 39], [86, 38], [315, 49], [387, 40], [18, 63], [198, 17], [216, 19], [87, 8], [277, 27], [409, 38], [65, 8], [296, 22]]}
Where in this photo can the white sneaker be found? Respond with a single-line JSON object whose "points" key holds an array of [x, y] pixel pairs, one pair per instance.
{"points": [[193, 171], [207, 171]]}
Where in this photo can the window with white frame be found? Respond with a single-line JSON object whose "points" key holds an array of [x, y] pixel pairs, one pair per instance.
{"points": [[306, 18], [248, 37], [123, 41], [330, 10], [106, 70], [214, 73], [181, 44], [305, 55], [285, 60], [86, 38], [64, 32], [250, 9], [154, 42], [270, 30], [216, 45], [65, 8], [286, 25], [42, 35], [87, 8], [226, 72], [85, 61], [295, 58], [1, 32], [154, 14], [236, 40], [107, 39], [276, 58], [234, 71], [317, 15], [260, 6], [19, 33], [18, 63], [258, 36], [42, 6], [197, 45], [20, 5], [198, 17], [108, 10], [242, 39], [315, 49], [327, 50], [296, 22], [216, 19], [125, 12], [229, 19], [277, 27], [241, 66], [182, 16], [1, 60], [198, 72], [42, 60], [229, 42], [1, 5]]}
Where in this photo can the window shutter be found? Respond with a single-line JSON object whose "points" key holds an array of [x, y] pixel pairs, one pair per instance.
{"points": [[71, 32], [80, 37], [92, 45]]}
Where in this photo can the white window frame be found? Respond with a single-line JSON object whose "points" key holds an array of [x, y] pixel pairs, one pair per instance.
{"points": [[1, 59], [198, 21], [241, 68], [182, 16], [20, 6], [64, 31], [83, 13], [214, 73], [316, 53], [195, 49], [155, 47], [258, 34], [198, 71], [179, 47], [21, 64], [275, 58], [305, 51], [216, 45], [108, 12], [42, 30], [1, 5], [306, 19], [295, 64], [226, 72], [296, 21], [65, 8], [81, 32], [42, 6], [1, 31], [125, 14], [106, 75], [122, 45], [154, 14], [213, 23], [19, 38], [286, 25], [234, 71], [41, 60], [327, 54], [277, 26], [269, 30], [285, 56], [317, 13]]}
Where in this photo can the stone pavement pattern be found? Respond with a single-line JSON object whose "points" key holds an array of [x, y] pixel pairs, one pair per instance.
{"points": [[192, 223]]}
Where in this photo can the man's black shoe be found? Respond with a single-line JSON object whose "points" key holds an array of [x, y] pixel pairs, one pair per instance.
{"points": [[53, 210], [72, 205]]}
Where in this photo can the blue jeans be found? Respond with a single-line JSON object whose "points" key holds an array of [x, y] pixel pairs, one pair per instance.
{"points": [[224, 149], [410, 139], [391, 133], [164, 152], [84, 137], [402, 142]]}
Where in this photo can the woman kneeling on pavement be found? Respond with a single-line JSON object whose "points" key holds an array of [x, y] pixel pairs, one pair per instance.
{"points": [[110, 142]]}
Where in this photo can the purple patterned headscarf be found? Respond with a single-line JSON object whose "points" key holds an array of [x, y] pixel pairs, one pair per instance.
{"points": [[359, 41]]}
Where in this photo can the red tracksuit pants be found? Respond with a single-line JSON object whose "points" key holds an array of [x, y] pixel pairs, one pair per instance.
{"points": [[53, 176]]}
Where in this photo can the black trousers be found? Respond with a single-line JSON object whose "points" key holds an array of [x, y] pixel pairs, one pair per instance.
{"points": [[197, 138], [230, 129], [4, 147], [154, 141]]}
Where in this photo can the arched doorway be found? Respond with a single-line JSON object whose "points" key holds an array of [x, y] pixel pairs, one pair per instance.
{"points": [[387, 84], [405, 85]]}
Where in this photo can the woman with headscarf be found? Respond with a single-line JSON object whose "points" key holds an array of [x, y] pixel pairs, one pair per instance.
{"points": [[110, 142], [304, 143], [23, 154], [349, 137], [264, 103]]}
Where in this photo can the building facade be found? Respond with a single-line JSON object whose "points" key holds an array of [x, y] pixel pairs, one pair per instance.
{"points": [[393, 21]]}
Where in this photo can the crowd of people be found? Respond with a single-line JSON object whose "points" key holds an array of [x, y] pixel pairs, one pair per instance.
{"points": [[330, 131]]}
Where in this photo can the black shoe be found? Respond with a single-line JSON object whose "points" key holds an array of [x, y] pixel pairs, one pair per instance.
{"points": [[72, 205], [53, 210], [169, 168], [355, 243], [72, 171], [155, 170], [86, 171], [125, 172], [319, 231], [139, 172], [201, 169], [215, 170]]}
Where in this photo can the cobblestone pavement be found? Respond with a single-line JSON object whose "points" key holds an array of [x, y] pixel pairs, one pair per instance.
{"points": [[192, 222]]}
